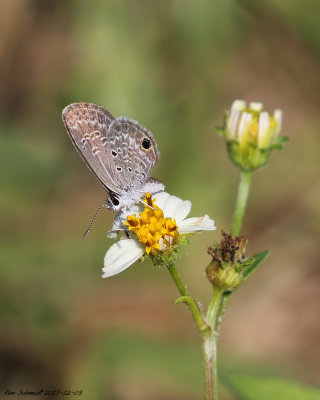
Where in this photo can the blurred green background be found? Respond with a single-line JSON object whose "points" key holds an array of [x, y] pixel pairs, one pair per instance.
{"points": [[174, 66]]}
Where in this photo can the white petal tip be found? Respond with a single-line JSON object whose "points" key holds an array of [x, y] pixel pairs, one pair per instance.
{"points": [[120, 256], [238, 105], [196, 224], [256, 106], [278, 118]]}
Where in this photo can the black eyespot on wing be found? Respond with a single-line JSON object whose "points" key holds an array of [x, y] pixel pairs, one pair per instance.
{"points": [[146, 144], [119, 169], [114, 153]]}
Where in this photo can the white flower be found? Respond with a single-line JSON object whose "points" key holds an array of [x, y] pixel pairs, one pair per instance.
{"points": [[155, 230]]}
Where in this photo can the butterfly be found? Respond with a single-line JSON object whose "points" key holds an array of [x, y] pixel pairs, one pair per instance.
{"points": [[119, 151]]}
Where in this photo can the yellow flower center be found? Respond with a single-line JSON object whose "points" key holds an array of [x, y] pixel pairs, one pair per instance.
{"points": [[153, 230]]}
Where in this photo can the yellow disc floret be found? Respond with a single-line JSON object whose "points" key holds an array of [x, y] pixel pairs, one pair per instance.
{"points": [[153, 230]]}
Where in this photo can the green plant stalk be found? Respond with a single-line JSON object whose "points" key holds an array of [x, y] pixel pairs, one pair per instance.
{"points": [[241, 202], [177, 280], [209, 346], [209, 352], [219, 301], [217, 305]]}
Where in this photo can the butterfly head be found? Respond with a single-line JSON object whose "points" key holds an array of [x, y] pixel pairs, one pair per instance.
{"points": [[114, 203]]}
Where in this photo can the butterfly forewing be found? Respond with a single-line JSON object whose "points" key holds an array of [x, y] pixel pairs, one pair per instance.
{"points": [[87, 125]]}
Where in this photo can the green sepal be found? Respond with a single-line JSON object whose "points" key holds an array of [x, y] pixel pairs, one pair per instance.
{"points": [[220, 131], [194, 308], [282, 139], [183, 240], [225, 264], [254, 145], [278, 145], [258, 258]]}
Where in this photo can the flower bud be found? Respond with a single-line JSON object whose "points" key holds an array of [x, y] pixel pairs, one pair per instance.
{"points": [[251, 134], [228, 262]]}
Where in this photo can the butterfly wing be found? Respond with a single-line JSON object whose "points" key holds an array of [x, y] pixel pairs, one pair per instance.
{"points": [[87, 125], [134, 152]]}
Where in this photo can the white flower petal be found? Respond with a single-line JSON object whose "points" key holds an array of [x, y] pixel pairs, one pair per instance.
{"points": [[192, 225], [120, 256], [264, 125], [172, 206], [245, 119], [238, 105], [161, 198], [256, 106], [232, 124], [182, 210], [278, 118]]}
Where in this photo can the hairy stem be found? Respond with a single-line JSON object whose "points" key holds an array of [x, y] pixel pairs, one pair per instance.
{"points": [[209, 351], [209, 346]]}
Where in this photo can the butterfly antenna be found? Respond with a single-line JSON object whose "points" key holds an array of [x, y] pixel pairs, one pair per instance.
{"points": [[93, 219]]}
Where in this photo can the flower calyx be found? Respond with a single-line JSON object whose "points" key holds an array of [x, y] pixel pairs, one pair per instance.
{"points": [[228, 265]]}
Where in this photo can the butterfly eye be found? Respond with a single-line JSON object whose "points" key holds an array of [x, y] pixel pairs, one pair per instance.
{"points": [[115, 201], [146, 144]]}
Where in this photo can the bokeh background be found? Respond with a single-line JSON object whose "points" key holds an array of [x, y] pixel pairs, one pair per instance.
{"points": [[174, 66]]}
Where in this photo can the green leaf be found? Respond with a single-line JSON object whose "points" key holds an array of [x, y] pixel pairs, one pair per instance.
{"points": [[258, 258], [249, 387], [248, 262]]}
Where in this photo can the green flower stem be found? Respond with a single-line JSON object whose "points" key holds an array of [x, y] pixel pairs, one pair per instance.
{"points": [[214, 307], [209, 351], [241, 202], [187, 299], [177, 280], [209, 346]]}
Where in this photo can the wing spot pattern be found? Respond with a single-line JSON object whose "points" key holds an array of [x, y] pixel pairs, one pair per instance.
{"points": [[95, 150]]}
